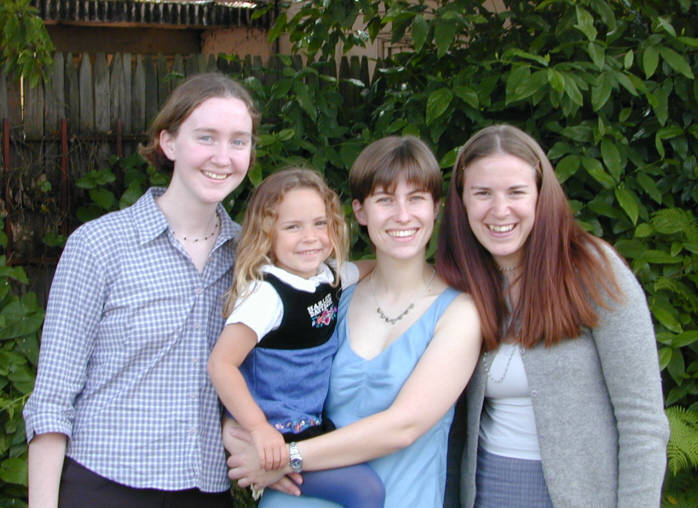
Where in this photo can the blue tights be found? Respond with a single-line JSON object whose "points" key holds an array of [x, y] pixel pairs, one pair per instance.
{"points": [[352, 487]]}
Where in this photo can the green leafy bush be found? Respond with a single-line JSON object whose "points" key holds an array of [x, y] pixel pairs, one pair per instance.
{"points": [[26, 46], [21, 317]]}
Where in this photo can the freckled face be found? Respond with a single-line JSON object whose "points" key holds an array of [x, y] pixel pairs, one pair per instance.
{"points": [[211, 149], [500, 195]]}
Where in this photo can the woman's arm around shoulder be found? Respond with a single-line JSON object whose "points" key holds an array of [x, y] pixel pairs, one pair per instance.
{"points": [[627, 350], [436, 382]]}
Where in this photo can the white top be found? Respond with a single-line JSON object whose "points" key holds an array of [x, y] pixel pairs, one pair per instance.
{"points": [[262, 309], [508, 425]]}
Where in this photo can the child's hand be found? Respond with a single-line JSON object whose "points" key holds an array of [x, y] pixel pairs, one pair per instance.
{"points": [[270, 447]]}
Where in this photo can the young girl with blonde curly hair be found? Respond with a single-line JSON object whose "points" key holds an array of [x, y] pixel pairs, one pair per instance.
{"points": [[271, 364]]}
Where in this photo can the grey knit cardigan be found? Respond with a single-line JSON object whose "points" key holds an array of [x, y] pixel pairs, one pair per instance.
{"points": [[598, 405]]}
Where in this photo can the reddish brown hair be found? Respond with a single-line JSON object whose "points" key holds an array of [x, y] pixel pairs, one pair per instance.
{"points": [[565, 271]]}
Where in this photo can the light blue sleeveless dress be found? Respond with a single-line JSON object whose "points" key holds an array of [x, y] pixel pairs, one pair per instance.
{"points": [[416, 475]]}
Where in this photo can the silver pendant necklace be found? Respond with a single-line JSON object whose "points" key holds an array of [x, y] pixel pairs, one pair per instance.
{"points": [[379, 311]]}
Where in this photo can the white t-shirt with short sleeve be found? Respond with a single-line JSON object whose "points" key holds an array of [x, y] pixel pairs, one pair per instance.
{"points": [[262, 309]]}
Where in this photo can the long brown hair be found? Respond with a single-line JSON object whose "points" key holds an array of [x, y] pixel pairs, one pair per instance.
{"points": [[256, 240], [185, 99], [565, 271]]}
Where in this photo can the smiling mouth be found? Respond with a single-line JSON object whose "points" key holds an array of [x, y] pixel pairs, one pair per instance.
{"points": [[500, 229], [402, 233], [308, 252], [216, 176]]}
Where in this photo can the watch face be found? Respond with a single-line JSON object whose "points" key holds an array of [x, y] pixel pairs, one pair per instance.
{"points": [[296, 464]]}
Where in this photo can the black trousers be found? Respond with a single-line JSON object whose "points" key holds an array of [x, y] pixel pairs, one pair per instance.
{"points": [[81, 488]]}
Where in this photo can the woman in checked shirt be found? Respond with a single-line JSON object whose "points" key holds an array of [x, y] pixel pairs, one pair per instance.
{"points": [[123, 413]]}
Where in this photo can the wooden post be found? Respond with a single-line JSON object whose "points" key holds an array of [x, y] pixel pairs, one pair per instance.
{"points": [[151, 90], [138, 120], [102, 94], [87, 98], [73, 91]]}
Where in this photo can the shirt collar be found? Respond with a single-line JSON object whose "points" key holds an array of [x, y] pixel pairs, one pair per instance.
{"points": [[151, 222], [324, 275]]}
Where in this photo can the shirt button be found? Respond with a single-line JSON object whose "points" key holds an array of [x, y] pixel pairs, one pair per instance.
{"points": [[197, 326], [192, 396], [192, 430], [534, 393], [198, 291]]}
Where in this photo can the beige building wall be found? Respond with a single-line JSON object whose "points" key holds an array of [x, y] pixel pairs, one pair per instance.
{"points": [[239, 41]]}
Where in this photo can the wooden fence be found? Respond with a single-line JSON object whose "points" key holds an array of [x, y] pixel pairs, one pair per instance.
{"points": [[94, 106], [106, 94]]}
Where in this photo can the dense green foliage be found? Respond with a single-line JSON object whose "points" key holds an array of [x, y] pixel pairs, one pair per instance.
{"points": [[607, 87], [20, 321], [26, 46]]}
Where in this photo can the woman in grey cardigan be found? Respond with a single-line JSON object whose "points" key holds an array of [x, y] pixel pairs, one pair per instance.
{"points": [[565, 406]]}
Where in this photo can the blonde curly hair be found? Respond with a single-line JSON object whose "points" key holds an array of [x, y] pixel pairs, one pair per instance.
{"points": [[255, 246]]}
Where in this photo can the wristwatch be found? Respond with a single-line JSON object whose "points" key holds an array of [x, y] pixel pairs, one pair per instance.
{"points": [[295, 459]]}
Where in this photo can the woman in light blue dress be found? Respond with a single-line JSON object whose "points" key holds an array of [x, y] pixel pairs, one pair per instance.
{"points": [[408, 345]]}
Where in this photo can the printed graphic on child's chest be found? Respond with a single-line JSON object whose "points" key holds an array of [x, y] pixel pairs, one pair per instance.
{"points": [[323, 312]]}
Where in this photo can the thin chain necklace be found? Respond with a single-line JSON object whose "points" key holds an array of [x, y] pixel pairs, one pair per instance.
{"points": [[506, 367], [379, 311], [203, 238]]}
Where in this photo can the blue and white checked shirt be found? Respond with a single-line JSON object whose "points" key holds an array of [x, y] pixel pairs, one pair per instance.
{"points": [[122, 372]]}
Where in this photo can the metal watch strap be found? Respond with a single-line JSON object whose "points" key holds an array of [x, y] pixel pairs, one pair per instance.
{"points": [[295, 459]]}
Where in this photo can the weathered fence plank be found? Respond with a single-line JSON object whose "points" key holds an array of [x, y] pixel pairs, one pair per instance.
{"points": [[125, 92], [55, 95], [212, 65], [344, 87], [192, 66], [72, 88], [87, 100], [34, 110], [177, 70], [163, 83], [364, 74], [115, 98], [102, 95], [151, 89], [138, 119], [14, 104], [95, 92]]}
